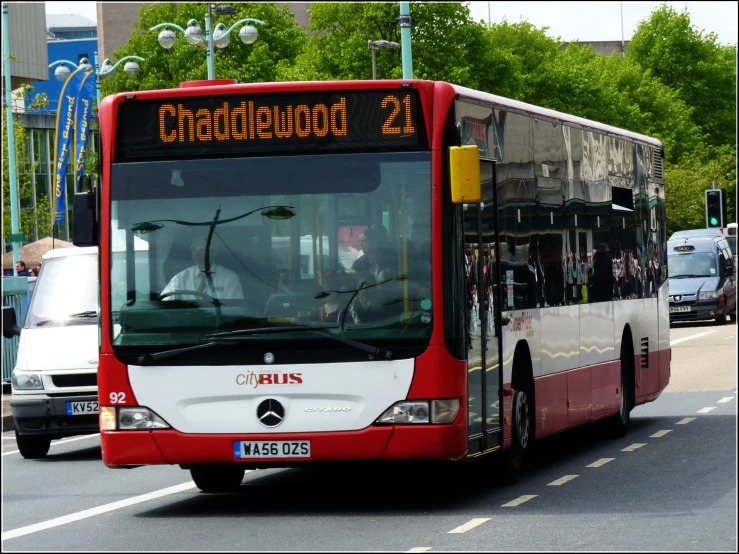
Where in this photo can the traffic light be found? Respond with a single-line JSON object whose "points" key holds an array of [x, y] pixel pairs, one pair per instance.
{"points": [[715, 208]]}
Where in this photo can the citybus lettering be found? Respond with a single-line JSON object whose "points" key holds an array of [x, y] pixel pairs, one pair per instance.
{"points": [[256, 379], [247, 121]]}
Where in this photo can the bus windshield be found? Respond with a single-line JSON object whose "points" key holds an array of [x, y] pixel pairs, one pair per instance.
{"points": [[203, 246]]}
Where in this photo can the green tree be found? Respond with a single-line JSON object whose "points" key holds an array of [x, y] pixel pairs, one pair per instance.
{"points": [[686, 182], [694, 64], [446, 45], [31, 221], [280, 40], [610, 90]]}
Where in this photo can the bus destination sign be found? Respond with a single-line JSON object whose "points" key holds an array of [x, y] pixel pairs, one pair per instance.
{"points": [[232, 125]]}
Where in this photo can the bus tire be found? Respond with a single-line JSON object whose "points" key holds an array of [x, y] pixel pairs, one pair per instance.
{"points": [[31, 446], [217, 480], [618, 424], [523, 420]]}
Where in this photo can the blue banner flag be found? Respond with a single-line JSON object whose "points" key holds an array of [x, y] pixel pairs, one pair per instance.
{"points": [[82, 125], [64, 133]]}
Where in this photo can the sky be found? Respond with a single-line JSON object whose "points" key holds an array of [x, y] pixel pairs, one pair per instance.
{"points": [[586, 21]]}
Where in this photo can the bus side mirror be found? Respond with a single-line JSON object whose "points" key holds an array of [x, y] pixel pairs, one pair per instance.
{"points": [[85, 231], [464, 173], [10, 324]]}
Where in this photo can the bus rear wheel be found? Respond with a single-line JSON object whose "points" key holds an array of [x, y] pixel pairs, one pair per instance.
{"points": [[618, 424], [217, 480]]}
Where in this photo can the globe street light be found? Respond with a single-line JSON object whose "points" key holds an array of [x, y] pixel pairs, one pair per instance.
{"points": [[220, 35], [376, 45], [131, 69]]}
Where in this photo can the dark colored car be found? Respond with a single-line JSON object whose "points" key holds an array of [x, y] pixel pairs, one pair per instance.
{"points": [[701, 278]]}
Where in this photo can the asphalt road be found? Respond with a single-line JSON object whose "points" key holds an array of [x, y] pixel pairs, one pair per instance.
{"points": [[670, 484]]}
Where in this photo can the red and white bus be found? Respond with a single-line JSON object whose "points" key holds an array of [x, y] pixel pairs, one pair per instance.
{"points": [[296, 273]]}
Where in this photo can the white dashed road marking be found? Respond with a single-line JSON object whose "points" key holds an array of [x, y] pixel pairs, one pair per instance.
{"points": [[601, 462], [54, 443], [726, 399], [471, 524], [691, 337], [419, 549], [686, 420], [633, 447], [562, 480], [520, 500], [659, 434], [706, 410]]}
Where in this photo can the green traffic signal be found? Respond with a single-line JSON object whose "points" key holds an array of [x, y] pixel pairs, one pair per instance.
{"points": [[714, 221]]}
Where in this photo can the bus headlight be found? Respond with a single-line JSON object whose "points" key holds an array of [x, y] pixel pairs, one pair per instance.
{"points": [[421, 411], [708, 295], [406, 412], [26, 381], [130, 419]]}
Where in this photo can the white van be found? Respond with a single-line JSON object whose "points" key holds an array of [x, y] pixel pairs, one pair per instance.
{"points": [[54, 385]]}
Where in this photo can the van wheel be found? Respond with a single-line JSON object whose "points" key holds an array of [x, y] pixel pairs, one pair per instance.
{"points": [[32, 447], [218, 480], [721, 320], [732, 317], [618, 424]]}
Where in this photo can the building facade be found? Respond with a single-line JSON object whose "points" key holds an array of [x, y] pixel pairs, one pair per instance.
{"points": [[35, 169], [70, 27]]}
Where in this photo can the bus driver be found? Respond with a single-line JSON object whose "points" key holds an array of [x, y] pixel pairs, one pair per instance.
{"points": [[225, 282]]}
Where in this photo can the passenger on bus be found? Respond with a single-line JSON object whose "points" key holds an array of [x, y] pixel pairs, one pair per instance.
{"points": [[603, 278], [225, 283], [376, 252]]}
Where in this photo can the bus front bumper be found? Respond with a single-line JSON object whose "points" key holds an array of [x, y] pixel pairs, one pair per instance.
{"points": [[376, 443]]}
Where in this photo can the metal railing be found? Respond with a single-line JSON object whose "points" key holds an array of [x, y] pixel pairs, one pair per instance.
{"points": [[16, 293]]}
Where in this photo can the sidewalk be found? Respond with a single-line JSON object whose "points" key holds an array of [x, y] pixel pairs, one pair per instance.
{"points": [[7, 415]]}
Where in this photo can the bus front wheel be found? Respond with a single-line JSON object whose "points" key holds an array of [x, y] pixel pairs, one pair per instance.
{"points": [[511, 460], [217, 480]]}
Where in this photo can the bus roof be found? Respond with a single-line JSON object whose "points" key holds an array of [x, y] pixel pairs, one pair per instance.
{"points": [[557, 116]]}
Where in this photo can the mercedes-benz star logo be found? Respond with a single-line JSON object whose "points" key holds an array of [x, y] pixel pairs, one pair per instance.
{"points": [[270, 413]]}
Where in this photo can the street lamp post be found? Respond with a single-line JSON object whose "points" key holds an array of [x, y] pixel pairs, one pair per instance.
{"points": [[15, 237], [220, 36], [376, 45], [131, 69]]}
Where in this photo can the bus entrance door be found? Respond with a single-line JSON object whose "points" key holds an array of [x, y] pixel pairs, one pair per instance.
{"points": [[483, 344]]}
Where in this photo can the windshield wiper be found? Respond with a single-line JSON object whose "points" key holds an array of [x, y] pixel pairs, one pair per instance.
{"points": [[688, 276], [79, 315], [230, 337], [372, 350], [88, 313]]}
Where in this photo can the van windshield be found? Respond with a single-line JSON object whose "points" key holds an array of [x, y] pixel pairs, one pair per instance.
{"points": [[65, 293], [694, 264]]}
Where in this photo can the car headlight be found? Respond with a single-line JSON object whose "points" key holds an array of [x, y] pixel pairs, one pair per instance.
{"points": [[418, 411], [708, 295], [27, 381], [130, 419]]}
